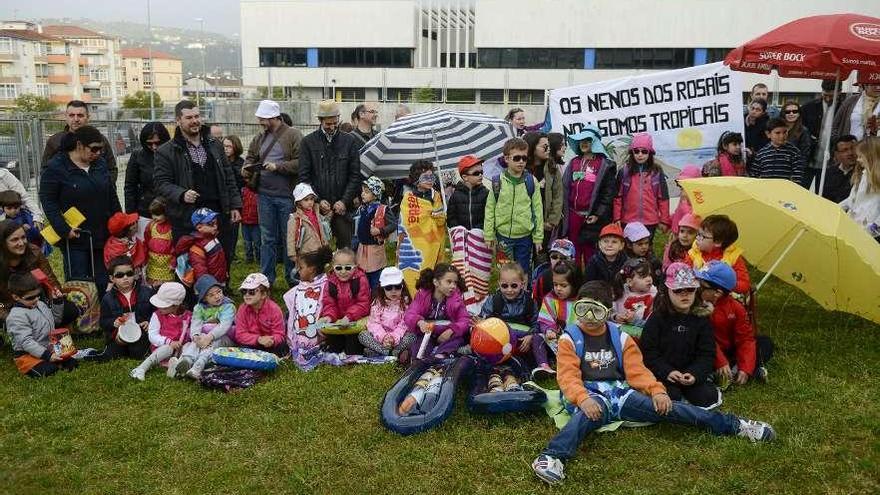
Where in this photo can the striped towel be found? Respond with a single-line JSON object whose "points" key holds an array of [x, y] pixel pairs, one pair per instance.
{"points": [[473, 259]]}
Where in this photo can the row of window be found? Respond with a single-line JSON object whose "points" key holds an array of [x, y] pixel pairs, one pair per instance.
{"points": [[435, 95], [495, 58]]}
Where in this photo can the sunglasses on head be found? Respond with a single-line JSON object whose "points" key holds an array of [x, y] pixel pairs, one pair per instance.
{"points": [[129, 273], [591, 310], [393, 287], [346, 268], [513, 286], [519, 158], [249, 292], [641, 151], [685, 290]]}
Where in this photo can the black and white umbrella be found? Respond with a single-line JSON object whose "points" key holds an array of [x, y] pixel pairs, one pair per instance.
{"points": [[441, 136]]}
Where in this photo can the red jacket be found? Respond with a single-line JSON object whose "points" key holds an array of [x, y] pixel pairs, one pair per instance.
{"points": [[119, 247], [249, 201], [641, 197], [734, 336], [206, 256], [344, 304]]}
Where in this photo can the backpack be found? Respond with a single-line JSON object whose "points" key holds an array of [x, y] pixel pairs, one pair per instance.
{"points": [[618, 339], [530, 185], [354, 285], [498, 307], [658, 183]]}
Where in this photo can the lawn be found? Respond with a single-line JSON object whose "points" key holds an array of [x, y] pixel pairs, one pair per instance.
{"points": [[98, 431]]}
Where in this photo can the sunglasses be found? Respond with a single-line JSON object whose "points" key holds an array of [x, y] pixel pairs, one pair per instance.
{"points": [[519, 158], [393, 287], [557, 257], [545, 147], [641, 151], [790, 112], [249, 292], [509, 286], [346, 268], [478, 173], [154, 144], [32, 297], [686, 290], [129, 273], [96, 148], [591, 310]]}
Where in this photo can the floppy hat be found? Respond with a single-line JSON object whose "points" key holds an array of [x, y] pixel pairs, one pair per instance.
{"points": [[169, 294], [121, 221], [255, 280], [302, 191], [268, 109]]}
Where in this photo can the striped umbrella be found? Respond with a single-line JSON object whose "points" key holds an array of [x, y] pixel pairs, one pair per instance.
{"points": [[442, 136]]}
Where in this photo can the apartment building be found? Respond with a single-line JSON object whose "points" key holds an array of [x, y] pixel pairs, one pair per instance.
{"points": [[165, 78], [101, 64]]}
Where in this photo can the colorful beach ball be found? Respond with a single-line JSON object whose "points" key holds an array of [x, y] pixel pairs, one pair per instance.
{"points": [[491, 340]]}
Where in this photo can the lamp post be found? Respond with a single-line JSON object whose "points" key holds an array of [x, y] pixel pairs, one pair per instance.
{"points": [[150, 56], [201, 22]]}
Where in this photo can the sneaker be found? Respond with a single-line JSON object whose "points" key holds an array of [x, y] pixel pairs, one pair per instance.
{"points": [[192, 374], [171, 372], [138, 374], [183, 365], [756, 431], [549, 469], [85, 353], [761, 374], [543, 372]]}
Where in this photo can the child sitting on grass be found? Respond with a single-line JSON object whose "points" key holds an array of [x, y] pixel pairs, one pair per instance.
{"points": [[560, 250], [683, 241], [29, 324], [212, 320], [638, 245], [127, 298], [635, 292], [556, 313], [609, 259], [386, 331], [716, 240], [346, 300], [600, 371], [259, 322], [303, 300], [438, 298], [168, 329]]}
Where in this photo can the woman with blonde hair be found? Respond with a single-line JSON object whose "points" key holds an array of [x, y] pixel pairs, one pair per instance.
{"points": [[863, 203]]}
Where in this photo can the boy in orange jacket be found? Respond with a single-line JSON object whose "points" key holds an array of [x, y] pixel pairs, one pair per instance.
{"points": [[716, 240], [603, 378]]}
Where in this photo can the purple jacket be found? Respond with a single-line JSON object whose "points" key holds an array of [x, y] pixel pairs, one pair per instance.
{"points": [[455, 312]]}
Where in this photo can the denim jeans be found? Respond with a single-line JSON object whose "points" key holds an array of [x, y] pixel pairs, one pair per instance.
{"points": [[250, 233], [274, 212], [518, 250], [637, 407]]}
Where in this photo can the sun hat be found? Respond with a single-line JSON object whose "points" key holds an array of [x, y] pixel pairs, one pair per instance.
{"points": [[119, 222], [169, 294], [390, 276], [204, 284], [636, 231], [328, 108], [268, 109], [588, 132], [681, 276], [255, 280], [302, 191], [564, 247]]}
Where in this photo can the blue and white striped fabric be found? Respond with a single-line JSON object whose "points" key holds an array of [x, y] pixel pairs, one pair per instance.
{"points": [[457, 133]]}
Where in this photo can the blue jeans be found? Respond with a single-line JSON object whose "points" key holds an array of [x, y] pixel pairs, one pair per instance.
{"points": [[252, 242], [637, 407], [518, 250], [274, 212]]}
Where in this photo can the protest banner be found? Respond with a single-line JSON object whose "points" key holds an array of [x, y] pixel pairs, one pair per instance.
{"points": [[684, 110]]}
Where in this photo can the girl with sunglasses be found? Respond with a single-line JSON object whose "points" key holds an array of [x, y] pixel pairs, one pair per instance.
{"points": [[346, 300], [513, 304], [127, 298], [800, 136], [642, 195], [546, 171], [678, 341], [438, 299], [259, 322], [386, 331], [422, 221]]}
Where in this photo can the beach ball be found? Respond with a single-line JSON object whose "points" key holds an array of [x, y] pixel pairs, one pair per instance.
{"points": [[491, 340]]}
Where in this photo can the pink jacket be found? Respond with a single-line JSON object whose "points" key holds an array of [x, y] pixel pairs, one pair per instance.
{"points": [[386, 320], [684, 207], [456, 312], [641, 203], [251, 324], [344, 304]]}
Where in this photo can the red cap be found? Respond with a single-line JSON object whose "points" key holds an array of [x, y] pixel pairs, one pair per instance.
{"points": [[467, 162], [611, 229], [121, 221]]}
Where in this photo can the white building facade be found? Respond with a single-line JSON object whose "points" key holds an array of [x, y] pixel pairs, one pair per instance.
{"points": [[498, 51]]}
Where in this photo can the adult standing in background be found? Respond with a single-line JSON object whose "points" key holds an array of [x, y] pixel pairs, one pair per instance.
{"points": [[549, 182], [798, 135], [816, 114], [517, 119], [191, 172], [859, 114], [271, 169], [139, 171], [756, 126], [233, 150], [77, 115], [364, 119], [838, 177], [761, 91], [217, 132], [330, 163], [401, 111], [78, 177]]}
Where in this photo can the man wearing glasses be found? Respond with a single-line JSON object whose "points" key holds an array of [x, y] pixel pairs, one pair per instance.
{"points": [[364, 119], [77, 115]]}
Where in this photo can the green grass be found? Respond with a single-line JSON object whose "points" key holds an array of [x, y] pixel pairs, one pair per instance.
{"points": [[98, 431]]}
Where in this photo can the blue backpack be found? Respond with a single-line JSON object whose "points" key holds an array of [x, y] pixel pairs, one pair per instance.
{"points": [[617, 340]]}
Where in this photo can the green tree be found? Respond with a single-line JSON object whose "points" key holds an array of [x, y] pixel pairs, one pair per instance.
{"points": [[140, 103], [424, 95], [277, 92], [34, 104]]}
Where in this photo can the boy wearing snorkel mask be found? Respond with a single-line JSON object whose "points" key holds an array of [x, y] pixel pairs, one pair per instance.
{"points": [[602, 376]]}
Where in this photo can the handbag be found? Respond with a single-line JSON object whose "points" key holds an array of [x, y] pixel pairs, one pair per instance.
{"points": [[253, 180]]}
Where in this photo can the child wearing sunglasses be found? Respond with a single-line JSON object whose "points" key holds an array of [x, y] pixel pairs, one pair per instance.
{"points": [[716, 240], [642, 195], [678, 342], [556, 307], [123, 240], [375, 222], [634, 293], [386, 333], [203, 249], [514, 304], [603, 379], [465, 212], [438, 298], [422, 231], [127, 298], [346, 300], [168, 329], [212, 320], [259, 322], [29, 324], [560, 250], [683, 241]]}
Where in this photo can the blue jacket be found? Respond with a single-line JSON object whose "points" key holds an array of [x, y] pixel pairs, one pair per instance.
{"points": [[521, 310]]}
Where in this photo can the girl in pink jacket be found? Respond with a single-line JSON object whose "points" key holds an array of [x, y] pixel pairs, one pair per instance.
{"points": [[439, 311], [386, 330], [642, 195], [346, 300]]}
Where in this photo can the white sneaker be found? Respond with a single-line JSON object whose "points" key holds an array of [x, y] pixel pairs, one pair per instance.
{"points": [[191, 373], [756, 431], [183, 365], [549, 469], [171, 372], [138, 374]]}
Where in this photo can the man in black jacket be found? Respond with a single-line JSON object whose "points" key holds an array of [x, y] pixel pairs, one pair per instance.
{"points": [[191, 171], [77, 115], [838, 176], [330, 162], [815, 115]]}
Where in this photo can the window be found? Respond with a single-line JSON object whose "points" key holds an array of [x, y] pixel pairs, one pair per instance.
{"points": [[283, 57], [41, 70], [6, 45], [365, 57], [351, 94], [491, 96], [644, 58], [472, 59], [105, 92], [525, 96], [399, 94], [531, 58], [716, 54], [461, 95], [43, 90], [98, 75], [8, 91]]}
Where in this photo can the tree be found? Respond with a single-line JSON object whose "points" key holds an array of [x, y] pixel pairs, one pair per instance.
{"points": [[34, 104], [424, 95], [140, 103], [277, 92]]}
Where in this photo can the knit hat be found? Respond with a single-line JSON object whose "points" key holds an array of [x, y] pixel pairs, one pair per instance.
{"points": [[564, 247], [691, 220], [375, 185], [119, 222], [636, 231], [612, 229], [268, 109], [255, 280], [203, 215], [680, 276], [169, 294], [302, 191], [204, 284], [467, 162], [390, 276], [690, 172], [642, 140]]}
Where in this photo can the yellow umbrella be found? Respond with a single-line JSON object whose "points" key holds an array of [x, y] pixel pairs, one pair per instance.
{"points": [[806, 240]]}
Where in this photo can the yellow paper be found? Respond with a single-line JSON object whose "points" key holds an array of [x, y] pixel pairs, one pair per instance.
{"points": [[74, 219]]}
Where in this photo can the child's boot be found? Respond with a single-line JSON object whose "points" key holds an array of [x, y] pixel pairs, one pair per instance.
{"points": [[495, 384]]}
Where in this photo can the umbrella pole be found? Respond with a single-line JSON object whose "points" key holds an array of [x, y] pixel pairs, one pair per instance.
{"points": [[437, 161], [827, 154], [779, 260]]}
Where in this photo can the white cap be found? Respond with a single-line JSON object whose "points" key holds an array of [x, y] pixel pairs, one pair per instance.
{"points": [[302, 191], [169, 294], [255, 280], [390, 276], [268, 109], [636, 231]]}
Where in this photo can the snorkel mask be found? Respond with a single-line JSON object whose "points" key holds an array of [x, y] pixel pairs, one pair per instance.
{"points": [[591, 310]]}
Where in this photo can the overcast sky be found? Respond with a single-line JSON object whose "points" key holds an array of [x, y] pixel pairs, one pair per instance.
{"points": [[221, 16]]}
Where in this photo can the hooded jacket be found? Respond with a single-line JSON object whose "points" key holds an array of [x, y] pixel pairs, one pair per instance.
{"points": [[601, 201], [29, 328], [206, 256], [678, 342], [466, 207], [456, 312], [333, 168], [139, 172]]}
